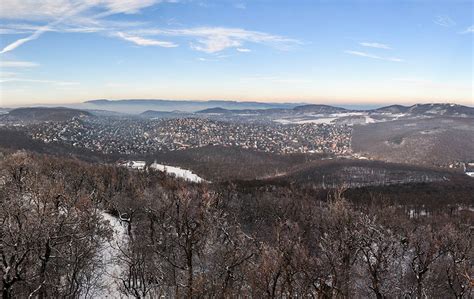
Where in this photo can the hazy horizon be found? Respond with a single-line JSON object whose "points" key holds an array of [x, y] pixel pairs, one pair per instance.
{"points": [[355, 105], [336, 53]]}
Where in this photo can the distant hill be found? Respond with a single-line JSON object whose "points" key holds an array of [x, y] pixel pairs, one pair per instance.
{"points": [[395, 109], [4, 110], [136, 106], [357, 173], [441, 109], [163, 114], [319, 109], [434, 109], [436, 140], [151, 108], [99, 112], [215, 110], [415, 110], [45, 114], [219, 110]]}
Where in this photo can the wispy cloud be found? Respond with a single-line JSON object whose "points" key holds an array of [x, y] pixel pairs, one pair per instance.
{"points": [[375, 45], [444, 21], [203, 59], [50, 10], [216, 39], [369, 55], [65, 11], [144, 41], [21, 41], [90, 16], [468, 30], [243, 50], [240, 5], [54, 82], [74, 10], [17, 64]]}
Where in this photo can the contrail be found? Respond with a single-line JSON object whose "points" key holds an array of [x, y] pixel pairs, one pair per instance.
{"points": [[43, 29], [21, 41]]}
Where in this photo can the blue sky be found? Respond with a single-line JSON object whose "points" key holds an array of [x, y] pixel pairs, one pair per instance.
{"points": [[333, 52]]}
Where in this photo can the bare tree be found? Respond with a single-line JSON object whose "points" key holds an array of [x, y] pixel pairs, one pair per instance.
{"points": [[49, 234], [379, 251]]}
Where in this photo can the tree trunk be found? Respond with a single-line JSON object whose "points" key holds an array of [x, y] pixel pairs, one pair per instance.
{"points": [[44, 264], [6, 290], [189, 264]]}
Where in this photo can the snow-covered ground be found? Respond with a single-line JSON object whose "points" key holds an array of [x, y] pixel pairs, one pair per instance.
{"points": [[109, 276], [178, 172], [140, 165], [369, 120], [172, 170], [325, 120]]}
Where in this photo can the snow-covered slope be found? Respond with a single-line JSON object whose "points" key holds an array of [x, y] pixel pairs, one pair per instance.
{"points": [[178, 172], [109, 276]]}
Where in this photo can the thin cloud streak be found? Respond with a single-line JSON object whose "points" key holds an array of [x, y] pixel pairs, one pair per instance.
{"points": [[444, 21], [59, 83], [50, 10], [43, 29], [215, 39], [144, 41], [89, 18], [17, 64], [243, 50], [375, 45], [468, 30], [62, 11], [21, 41], [368, 55]]}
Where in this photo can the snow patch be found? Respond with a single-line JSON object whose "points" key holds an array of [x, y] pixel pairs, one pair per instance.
{"points": [[178, 172], [325, 120], [140, 165], [110, 252], [369, 120]]}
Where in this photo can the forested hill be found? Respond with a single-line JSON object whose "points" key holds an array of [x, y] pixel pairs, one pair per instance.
{"points": [[146, 234]]}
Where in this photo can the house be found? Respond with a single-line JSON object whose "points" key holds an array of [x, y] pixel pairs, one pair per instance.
{"points": [[469, 169], [139, 165]]}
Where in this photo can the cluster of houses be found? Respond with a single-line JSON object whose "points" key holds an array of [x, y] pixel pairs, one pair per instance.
{"points": [[141, 136]]}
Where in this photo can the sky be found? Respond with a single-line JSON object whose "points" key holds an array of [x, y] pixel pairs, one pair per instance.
{"points": [[315, 51]]}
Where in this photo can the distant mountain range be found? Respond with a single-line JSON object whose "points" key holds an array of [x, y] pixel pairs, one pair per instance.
{"points": [[418, 109], [63, 114], [139, 106], [427, 109], [319, 109], [316, 109]]}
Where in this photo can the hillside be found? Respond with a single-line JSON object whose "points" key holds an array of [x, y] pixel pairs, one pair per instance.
{"points": [[435, 109], [432, 141], [163, 114], [45, 114], [358, 173], [319, 109]]}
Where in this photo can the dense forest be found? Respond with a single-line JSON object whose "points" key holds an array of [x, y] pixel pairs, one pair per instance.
{"points": [[258, 239]]}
